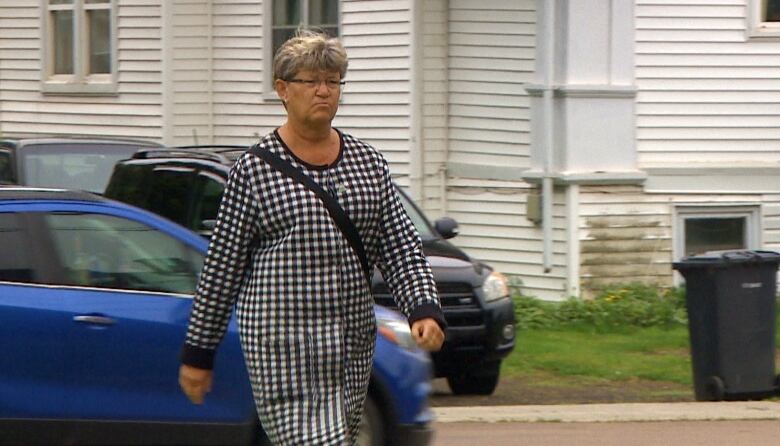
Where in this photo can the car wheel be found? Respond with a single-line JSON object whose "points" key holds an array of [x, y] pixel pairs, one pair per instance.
{"points": [[482, 381], [372, 425]]}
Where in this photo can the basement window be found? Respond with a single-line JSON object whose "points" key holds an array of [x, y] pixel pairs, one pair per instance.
{"points": [[703, 229], [764, 19]]}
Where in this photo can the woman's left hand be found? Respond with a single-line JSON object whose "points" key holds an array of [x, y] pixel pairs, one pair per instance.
{"points": [[428, 335]]}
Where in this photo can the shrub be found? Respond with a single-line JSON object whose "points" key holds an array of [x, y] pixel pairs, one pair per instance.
{"points": [[616, 307], [534, 313]]}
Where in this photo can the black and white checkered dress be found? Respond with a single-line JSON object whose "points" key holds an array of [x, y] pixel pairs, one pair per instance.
{"points": [[304, 308]]}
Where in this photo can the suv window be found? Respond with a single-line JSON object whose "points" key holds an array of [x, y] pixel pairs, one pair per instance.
{"points": [[164, 190], [15, 262], [169, 193], [6, 172], [209, 190], [72, 165], [418, 219], [111, 252]]}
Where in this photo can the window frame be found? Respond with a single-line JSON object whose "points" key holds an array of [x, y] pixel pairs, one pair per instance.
{"points": [[753, 225], [80, 82], [757, 27], [269, 93], [751, 213]]}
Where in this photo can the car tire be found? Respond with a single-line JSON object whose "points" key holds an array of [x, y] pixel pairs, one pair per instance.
{"points": [[482, 381], [372, 425]]}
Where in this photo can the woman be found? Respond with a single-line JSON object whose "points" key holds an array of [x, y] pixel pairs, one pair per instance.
{"points": [[304, 307]]}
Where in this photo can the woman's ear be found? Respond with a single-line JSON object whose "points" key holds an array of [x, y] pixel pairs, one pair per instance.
{"points": [[281, 90]]}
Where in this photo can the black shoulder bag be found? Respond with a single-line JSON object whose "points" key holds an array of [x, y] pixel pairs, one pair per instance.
{"points": [[335, 210]]}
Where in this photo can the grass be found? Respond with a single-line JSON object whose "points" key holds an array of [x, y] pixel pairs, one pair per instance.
{"points": [[626, 337], [652, 353], [631, 331]]}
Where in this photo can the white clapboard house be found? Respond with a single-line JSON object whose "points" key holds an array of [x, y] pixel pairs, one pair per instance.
{"points": [[578, 142]]}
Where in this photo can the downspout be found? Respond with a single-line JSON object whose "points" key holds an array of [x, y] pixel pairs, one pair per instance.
{"points": [[549, 152], [416, 152], [573, 239]]}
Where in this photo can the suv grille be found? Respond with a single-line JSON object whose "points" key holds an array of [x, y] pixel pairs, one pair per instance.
{"points": [[458, 302]]}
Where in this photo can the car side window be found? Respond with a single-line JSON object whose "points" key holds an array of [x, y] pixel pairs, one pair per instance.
{"points": [[418, 220], [111, 252], [6, 173], [170, 193], [15, 262], [204, 215], [84, 166]]}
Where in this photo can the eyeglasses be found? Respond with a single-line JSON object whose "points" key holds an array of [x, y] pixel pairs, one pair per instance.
{"points": [[311, 83]]}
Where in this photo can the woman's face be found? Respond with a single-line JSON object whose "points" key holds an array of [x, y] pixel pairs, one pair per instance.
{"points": [[312, 97]]}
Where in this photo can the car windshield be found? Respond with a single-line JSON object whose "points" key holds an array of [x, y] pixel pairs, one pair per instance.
{"points": [[72, 165], [418, 219]]}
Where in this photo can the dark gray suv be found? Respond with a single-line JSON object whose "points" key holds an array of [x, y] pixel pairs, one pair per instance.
{"points": [[185, 185], [68, 162]]}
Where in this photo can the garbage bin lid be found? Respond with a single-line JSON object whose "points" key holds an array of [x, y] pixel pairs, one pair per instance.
{"points": [[726, 258]]}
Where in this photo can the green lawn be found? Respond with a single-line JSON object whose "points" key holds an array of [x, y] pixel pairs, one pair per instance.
{"points": [[632, 334], [648, 353]]}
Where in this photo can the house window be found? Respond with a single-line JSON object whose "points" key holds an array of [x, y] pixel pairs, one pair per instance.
{"points": [[703, 229], [772, 11], [764, 19], [286, 16], [80, 47]]}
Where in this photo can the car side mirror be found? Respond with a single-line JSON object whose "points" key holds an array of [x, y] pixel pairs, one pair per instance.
{"points": [[446, 227], [206, 228]]}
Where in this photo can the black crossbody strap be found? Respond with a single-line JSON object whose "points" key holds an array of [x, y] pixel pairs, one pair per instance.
{"points": [[336, 212]]}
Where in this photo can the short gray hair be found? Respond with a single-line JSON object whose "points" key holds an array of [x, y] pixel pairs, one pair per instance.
{"points": [[309, 50]]}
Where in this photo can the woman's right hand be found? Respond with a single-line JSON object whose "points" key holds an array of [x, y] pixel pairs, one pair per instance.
{"points": [[195, 382]]}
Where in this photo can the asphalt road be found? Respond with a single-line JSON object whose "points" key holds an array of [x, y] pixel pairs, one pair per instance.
{"points": [[667, 433]]}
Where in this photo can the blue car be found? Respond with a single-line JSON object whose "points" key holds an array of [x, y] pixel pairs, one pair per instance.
{"points": [[95, 297]]}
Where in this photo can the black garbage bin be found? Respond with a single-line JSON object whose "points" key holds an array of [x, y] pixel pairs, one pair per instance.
{"points": [[730, 297]]}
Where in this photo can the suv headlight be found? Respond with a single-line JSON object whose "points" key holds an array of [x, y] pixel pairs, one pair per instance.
{"points": [[396, 331], [495, 287]]}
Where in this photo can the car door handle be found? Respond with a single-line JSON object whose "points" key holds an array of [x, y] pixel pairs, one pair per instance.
{"points": [[95, 320]]}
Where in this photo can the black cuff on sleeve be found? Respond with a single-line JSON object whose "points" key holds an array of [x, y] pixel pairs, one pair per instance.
{"points": [[201, 358], [427, 310]]}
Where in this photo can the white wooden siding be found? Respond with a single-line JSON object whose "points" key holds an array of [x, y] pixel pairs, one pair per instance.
{"points": [[238, 109], [375, 102], [134, 112], [190, 77], [770, 214], [626, 235], [705, 91], [379, 75], [491, 56], [493, 228], [434, 108]]}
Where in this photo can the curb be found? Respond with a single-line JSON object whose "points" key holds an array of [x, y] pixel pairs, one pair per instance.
{"points": [[594, 413]]}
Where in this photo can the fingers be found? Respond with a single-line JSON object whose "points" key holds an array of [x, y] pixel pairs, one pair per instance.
{"points": [[428, 334], [195, 383]]}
